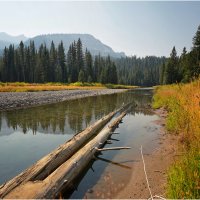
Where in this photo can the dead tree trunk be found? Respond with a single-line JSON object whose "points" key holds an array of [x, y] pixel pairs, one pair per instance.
{"points": [[45, 166], [64, 175]]}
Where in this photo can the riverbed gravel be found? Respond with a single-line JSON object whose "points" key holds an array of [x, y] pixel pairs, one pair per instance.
{"points": [[16, 100]]}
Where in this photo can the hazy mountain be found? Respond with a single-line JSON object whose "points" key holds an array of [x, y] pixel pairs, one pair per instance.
{"points": [[6, 40], [3, 44], [4, 37], [94, 45]]}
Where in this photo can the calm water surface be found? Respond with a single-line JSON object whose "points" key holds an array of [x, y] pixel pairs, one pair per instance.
{"points": [[28, 134]]}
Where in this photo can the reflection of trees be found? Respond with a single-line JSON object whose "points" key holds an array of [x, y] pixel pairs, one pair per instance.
{"points": [[72, 116]]}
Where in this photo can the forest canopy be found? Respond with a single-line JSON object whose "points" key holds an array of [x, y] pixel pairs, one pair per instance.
{"points": [[25, 63]]}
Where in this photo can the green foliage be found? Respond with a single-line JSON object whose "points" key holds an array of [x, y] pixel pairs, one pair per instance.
{"points": [[182, 103], [139, 71], [183, 177], [184, 68], [25, 64], [81, 76]]}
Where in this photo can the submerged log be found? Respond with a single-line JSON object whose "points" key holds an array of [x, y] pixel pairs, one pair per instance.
{"points": [[45, 166], [65, 174]]}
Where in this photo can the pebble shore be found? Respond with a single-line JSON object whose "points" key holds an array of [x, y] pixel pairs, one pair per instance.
{"points": [[16, 100]]}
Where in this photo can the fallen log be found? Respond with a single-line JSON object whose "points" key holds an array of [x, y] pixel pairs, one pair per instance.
{"points": [[65, 174], [45, 166]]}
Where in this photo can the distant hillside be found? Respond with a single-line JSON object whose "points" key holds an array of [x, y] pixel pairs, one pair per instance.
{"points": [[3, 44], [6, 38], [94, 45]]}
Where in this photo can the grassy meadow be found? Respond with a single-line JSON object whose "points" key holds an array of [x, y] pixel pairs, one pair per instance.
{"points": [[183, 104], [35, 87]]}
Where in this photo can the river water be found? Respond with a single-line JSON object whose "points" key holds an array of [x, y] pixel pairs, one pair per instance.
{"points": [[26, 135]]}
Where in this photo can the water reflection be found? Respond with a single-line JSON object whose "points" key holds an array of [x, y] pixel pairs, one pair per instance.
{"points": [[71, 116]]}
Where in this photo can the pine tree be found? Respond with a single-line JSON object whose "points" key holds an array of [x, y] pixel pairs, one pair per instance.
{"points": [[21, 62], [196, 49], [162, 80], [74, 75], [5, 65], [113, 74], [79, 55], [196, 44], [171, 72], [52, 62], [81, 76], [69, 64], [184, 70], [61, 61], [27, 60], [88, 67], [32, 61], [10, 67]]}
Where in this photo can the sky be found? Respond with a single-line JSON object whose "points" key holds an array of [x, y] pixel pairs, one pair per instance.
{"points": [[136, 28]]}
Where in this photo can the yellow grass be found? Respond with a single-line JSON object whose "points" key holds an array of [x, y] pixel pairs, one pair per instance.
{"points": [[183, 103], [34, 87]]}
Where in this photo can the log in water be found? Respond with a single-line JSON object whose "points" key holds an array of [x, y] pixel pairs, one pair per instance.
{"points": [[44, 167]]}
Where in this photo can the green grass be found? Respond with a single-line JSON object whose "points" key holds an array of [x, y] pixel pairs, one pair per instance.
{"points": [[183, 105], [183, 177]]}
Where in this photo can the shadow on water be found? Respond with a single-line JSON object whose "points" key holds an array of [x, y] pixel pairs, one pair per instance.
{"points": [[28, 134]]}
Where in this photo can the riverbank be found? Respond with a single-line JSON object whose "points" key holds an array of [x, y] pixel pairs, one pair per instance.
{"points": [[157, 164], [16, 100], [182, 102]]}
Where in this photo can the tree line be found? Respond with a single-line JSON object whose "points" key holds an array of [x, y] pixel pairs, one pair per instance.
{"points": [[183, 68], [26, 64], [139, 71]]}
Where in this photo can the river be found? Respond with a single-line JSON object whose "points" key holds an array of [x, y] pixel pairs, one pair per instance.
{"points": [[28, 134]]}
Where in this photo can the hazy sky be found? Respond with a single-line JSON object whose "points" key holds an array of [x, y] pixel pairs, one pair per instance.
{"points": [[137, 28]]}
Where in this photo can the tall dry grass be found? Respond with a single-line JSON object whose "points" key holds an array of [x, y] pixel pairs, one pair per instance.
{"points": [[35, 87], [183, 104]]}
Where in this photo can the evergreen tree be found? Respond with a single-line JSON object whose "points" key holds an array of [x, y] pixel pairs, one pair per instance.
{"points": [[81, 76], [196, 49], [113, 74], [27, 64], [32, 61], [52, 63], [5, 66], [171, 72], [79, 55], [196, 45], [74, 75], [61, 61], [88, 68], [21, 62], [11, 68], [162, 81]]}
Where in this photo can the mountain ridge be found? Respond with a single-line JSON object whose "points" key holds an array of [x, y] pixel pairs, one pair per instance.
{"points": [[94, 45], [13, 39]]}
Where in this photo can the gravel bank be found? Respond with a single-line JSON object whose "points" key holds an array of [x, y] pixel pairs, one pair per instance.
{"points": [[16, 100]]}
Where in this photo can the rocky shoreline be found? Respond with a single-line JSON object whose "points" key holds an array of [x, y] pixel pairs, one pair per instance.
{"points": [[17, 100]]}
